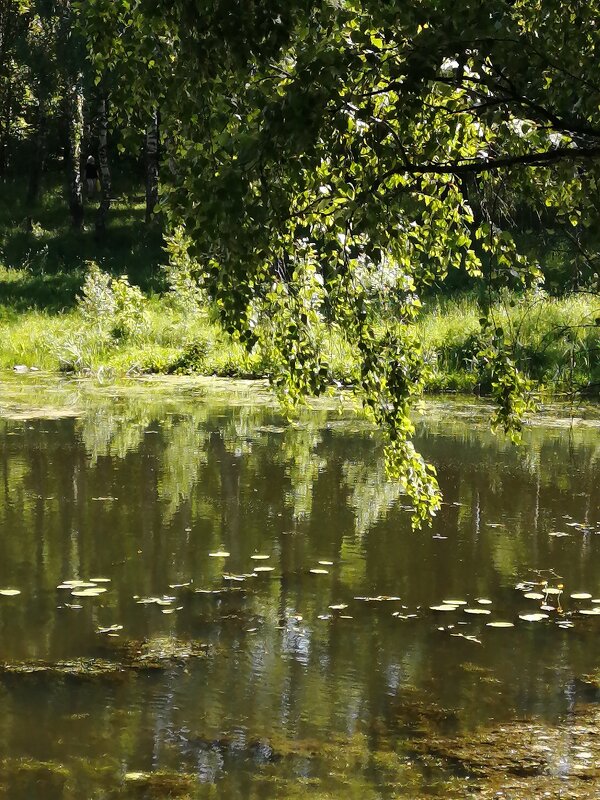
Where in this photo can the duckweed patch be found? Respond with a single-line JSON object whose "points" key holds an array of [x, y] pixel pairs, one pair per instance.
{"points": [[134, 656], [524, 759], [158, 785]]}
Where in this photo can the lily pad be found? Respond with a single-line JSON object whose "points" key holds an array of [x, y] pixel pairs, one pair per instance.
{"points": [[319, 571], [220, 554], [534, 596], [264, 569], [109, 629], [580, 596], [533, 617], [10, 592], [477, 611], [499, 624], [88, 592], [159, 601], [76, 585], [444, 607], [259, 557], [381, 598], [468, 637], [483, 601]]}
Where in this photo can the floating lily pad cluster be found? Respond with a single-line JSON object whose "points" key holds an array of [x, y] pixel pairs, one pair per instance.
{"points": [[165, 602], [547, 595], [80, 588], [477, 609], [551, 599]]}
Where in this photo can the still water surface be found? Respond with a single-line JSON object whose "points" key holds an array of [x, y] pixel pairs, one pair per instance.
{"points": [[140, 485]]}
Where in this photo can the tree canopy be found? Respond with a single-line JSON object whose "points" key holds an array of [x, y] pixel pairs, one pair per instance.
{"points": [[329, 161]]}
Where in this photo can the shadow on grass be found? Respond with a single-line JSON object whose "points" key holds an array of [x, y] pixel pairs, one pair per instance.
{"points": [[45, 268], [52, 292]]}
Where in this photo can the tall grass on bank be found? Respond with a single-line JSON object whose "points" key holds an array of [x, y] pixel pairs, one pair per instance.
{"points": [[43, 271], [555, 341]]}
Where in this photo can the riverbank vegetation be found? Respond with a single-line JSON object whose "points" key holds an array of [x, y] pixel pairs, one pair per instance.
{"points": [[71, 303], [556, 340]]}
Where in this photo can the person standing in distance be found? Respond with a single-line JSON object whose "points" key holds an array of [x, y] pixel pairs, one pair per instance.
{"points": [[91, 176]]}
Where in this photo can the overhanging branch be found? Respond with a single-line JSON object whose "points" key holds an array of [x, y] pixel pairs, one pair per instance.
{"points": [[479, 166]]}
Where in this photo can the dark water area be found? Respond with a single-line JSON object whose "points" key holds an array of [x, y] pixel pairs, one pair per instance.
{"points": [[289, 696]]}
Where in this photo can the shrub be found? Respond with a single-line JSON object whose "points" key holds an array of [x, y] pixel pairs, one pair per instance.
{"points": [[112, 305], [192, 359]]}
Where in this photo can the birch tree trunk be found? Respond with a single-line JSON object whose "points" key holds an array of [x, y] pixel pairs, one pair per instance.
{"points": [[75, 111], [5, 128], [105, 186], [152, 165], [7, 14]]}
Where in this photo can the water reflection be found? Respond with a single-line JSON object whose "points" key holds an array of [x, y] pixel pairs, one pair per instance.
{"points": [[140, 486]]}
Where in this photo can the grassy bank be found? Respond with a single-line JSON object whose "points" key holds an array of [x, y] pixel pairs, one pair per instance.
{"points": [[557, 341], [122, 330]]}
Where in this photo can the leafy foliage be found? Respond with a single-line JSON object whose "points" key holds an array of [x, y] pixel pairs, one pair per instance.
{"points": [[112, 305]]}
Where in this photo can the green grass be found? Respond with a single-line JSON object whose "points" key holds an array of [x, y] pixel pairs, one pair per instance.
{"points": [[556, 341], [45, 268]]}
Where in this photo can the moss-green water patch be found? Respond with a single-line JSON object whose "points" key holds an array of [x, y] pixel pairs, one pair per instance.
{"points": [[158, 652], [29, 766], [159, 784], [78, 669], [520, 759], [525, 759], [133, 656]]}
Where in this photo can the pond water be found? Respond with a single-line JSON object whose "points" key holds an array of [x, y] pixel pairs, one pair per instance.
{"points": [[311, 670]]}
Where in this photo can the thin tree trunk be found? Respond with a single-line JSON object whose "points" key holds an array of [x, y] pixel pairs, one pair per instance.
{"points": [[105, 185], [152, 165], [36, 167], [75, 139], [5, 127], [5, 82], [13, 25]]}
